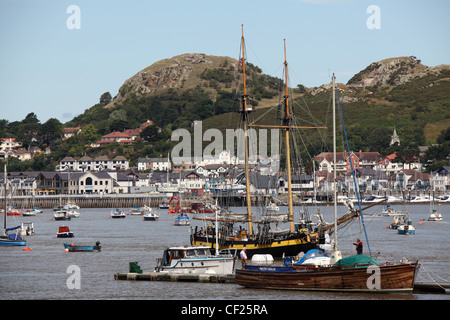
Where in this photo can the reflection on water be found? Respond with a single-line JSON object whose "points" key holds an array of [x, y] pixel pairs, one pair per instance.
{"points": [[42, 273]]}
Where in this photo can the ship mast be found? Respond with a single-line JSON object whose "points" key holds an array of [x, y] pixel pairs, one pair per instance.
{"points": [[334, 164], [287, 122], [245, 111], [287, 127]]}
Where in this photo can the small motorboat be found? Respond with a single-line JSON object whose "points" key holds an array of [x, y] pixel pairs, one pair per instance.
{"points": [[61, 215], [117, 214], [150, 215], [195, 259], [70, 247], [13, 212], [164, 205], [29, 213], [73, 213], [64, 232]]}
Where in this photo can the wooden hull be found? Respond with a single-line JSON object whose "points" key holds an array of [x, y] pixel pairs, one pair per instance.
{"points": [[391, 278], [290, 246]]}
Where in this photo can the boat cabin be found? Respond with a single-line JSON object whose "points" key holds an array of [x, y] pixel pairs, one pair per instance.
{"points": [[173, 254]]}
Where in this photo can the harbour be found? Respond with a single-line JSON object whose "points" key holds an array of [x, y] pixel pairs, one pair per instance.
{"points": [[45, 272]]}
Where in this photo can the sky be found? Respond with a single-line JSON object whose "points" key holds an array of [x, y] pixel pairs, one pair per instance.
{"points": [[58, 57]]}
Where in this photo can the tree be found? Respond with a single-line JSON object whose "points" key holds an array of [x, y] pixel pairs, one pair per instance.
{"points": [[150, 133], [105, 98], [51, 130]]}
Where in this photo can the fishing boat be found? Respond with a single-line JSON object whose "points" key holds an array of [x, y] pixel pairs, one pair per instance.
{"points": [[70, 247], [7, 239], [61, 215], [195, 259], [406, 228], [181, 219], [118, 214], [64, 232], [266, 240], [358, 273]]}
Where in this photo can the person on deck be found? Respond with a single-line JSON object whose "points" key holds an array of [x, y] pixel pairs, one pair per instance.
{"points": [[243, 256], [359, 246]]}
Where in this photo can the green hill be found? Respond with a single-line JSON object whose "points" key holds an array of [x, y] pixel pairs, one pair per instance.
{"points": [[393, 93]]}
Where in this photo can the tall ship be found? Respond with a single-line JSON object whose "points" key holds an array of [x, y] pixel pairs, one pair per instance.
{"points": [[300, 237], [328, 271]]}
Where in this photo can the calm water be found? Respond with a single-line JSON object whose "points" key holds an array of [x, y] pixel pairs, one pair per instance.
{"points": [[42, 273]]}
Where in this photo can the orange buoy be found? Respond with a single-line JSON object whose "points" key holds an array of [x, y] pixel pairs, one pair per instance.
{"points": [[27, 249]]}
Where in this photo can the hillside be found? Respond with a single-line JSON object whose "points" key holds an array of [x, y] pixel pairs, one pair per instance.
{"points": [[395, 92]]}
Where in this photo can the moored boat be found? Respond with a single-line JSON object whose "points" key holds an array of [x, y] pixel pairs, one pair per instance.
{"points": [[195, 259], [118, 214], [64, 232], [61, 215], [70, 247], [435, 216], [7, 239], [265, 240], [29, 213], [13, 212], [181, 219], [357, 273], [151, 215], [406, 228]]}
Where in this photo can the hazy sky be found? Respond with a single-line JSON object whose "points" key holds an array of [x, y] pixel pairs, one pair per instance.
{"points": [[56, 61]]}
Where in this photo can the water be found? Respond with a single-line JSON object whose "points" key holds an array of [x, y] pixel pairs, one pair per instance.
{"points": [[42, 273]]}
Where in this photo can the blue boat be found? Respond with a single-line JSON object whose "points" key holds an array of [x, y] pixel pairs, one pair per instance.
{"points": [[70, 247], [181, 219], [12, 239], [5, 238]]}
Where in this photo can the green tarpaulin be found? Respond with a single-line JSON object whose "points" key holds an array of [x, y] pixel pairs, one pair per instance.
{"points": [[357, 261]]}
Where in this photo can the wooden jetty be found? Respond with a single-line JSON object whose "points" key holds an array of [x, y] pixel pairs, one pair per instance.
{"points": [[175, 277], [419, 287]]}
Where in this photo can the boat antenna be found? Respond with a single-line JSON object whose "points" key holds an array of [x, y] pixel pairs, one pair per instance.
{"points": [[353, 174]]}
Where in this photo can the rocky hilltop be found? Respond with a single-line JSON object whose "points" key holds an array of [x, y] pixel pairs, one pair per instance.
{"points": [[182, 71], [392, 71]]}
